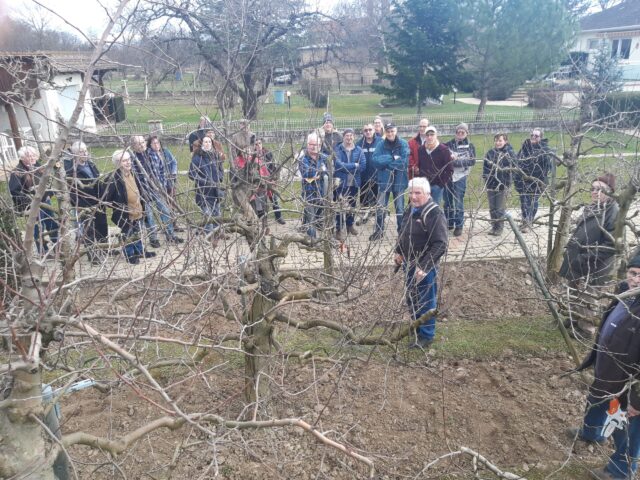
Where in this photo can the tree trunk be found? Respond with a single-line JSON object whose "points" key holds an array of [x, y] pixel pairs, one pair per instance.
{"points": [[250, 104], [484, 97], [625, 199], [257, 348]]}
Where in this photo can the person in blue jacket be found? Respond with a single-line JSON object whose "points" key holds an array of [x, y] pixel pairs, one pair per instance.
{"points": [[315, 180], [350, 162], [391, 160], [368, 182]]}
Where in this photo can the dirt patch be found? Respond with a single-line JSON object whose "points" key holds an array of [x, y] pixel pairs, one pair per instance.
{"points": [[401, 409]]}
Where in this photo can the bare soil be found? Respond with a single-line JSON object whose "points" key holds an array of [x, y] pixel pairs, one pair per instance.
{"points": [[402, 409]]}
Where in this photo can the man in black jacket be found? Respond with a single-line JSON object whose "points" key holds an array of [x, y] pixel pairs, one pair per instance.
{"points": [[421, 243], [615, 358], [85, 194]]}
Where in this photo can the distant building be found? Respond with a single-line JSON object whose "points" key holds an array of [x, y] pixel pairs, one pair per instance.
{"points": [[46, 86], [619, 27]]}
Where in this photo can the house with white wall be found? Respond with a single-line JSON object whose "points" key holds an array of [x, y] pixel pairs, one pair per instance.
{"points": [[619, 28], [39, 90]]}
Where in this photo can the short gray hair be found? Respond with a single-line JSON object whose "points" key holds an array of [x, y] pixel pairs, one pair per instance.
{"points": [[76, 146], [313, 136], [421, 183], [136, 139], [118, 155], [26, 150]]}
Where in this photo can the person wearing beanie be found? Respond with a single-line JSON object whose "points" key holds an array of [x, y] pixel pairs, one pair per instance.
{"points": [[589, 254], [331, 137], [615, 358], [463, 153], [435, 163], [535, 161]]}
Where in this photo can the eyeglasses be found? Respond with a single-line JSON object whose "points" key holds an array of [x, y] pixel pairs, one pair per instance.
{"points": [[535, 136], [633, 274], [598, 189], [367, 129]]}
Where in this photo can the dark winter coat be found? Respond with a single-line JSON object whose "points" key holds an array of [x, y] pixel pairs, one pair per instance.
{"points": [[423, 237], [534, 164], [466, 152], [590, 250], [347, 169], [314, 176], [22, 186], [116, 195], [496, 168], [207, 172], [436, 166], [391, 161], [617, 358], [88, 193], [330, 142], [368, 149]]}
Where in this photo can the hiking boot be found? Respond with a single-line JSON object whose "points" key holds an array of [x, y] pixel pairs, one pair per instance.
{"points": [[154, 242], [281, 221], [377, 235], [457, 231], [147, 254], [174, 240], [351, 230], [178, 229], [133, 259], [362, 220]]}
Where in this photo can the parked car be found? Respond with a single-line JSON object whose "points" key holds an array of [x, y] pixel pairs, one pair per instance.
{"points": [[286, 79]]}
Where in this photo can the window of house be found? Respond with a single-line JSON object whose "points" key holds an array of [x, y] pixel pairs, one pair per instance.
{"points": [[593, 43], [621, 48]]}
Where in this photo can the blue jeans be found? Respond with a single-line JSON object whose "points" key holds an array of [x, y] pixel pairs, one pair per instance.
{"points": [[422, 297], [133, 247], [209, 211], [349, 194], [383, 201], [529, 205], [454, 203], [312, 215], [437, 193], [165, 218], [623, 463], [45, 223]]}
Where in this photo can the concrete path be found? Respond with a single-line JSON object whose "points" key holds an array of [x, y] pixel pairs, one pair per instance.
{"points": [[196, 257], [499, 103]]}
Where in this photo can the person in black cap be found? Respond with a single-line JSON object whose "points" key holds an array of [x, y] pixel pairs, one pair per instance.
{"points": [[391, 160], [589, 254], [615, 358]]}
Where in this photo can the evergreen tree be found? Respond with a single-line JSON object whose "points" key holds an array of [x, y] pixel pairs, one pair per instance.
{"points": [[421, 54]]}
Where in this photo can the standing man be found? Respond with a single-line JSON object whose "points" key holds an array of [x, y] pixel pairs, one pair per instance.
{"points": [[421, 244], [315, 180], [464, 157], [85, 195], [391, 160], [435, 163], [331, 137], [615, 358], [534, 163], [350, 162], [369, 184], [266, 158], [589, 254], [414, 144]]}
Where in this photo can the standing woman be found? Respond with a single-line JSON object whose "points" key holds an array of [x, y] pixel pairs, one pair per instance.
{"points": [[157, 153], [207, 171], [496, 173]]}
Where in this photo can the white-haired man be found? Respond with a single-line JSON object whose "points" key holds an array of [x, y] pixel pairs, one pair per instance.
{"points": [[313, 169], [85, 192], [422, 241], [22, 186], [123, 192]]}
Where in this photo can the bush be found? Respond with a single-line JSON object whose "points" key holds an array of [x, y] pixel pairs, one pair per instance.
{"points": [[544, 98], [316, 90], [622, 108]]}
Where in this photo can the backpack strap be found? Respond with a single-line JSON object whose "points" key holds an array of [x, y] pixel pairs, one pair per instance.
{"points": [[426, 211]]}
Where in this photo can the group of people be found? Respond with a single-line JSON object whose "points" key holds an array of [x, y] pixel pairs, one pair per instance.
{"points": [[380, 164]]}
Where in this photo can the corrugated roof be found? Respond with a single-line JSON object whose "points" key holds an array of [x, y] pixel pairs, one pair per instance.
{"points": [[625, 14], [64, 62]]}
